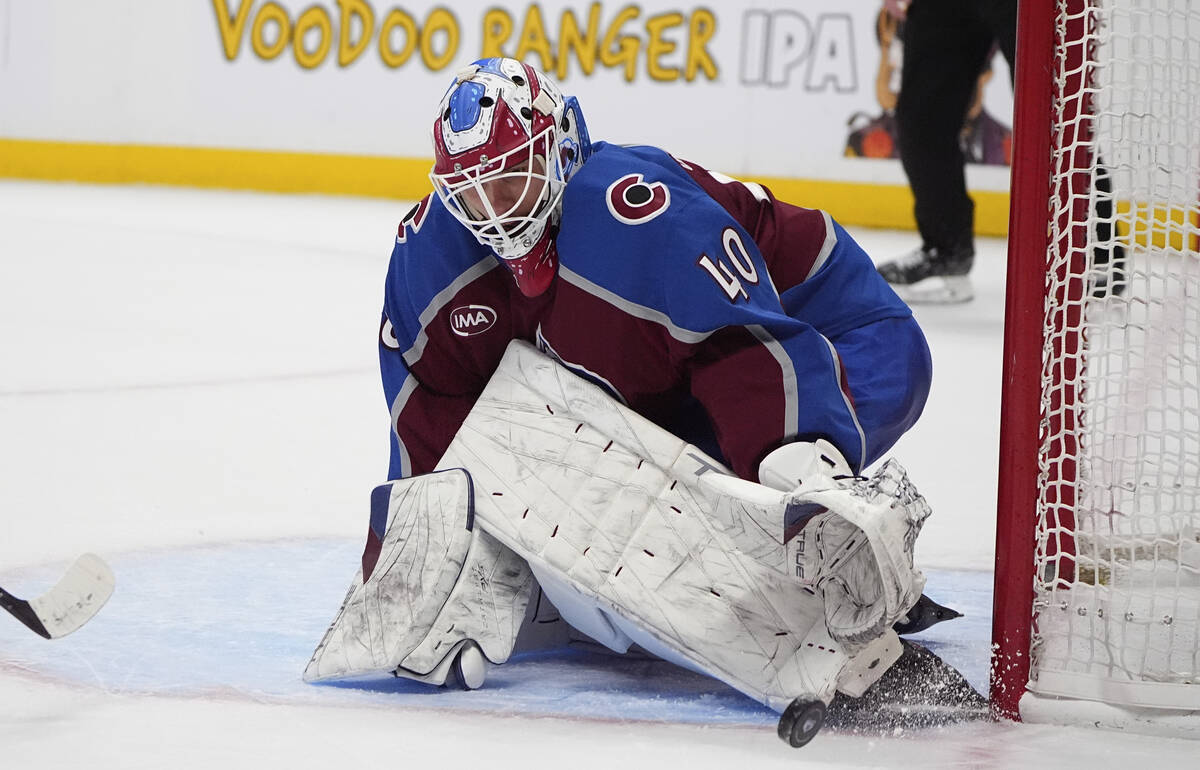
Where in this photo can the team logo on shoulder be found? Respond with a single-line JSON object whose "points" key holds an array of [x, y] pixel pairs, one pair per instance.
{"points": [[411, 224], [469, 320], [387, 335], [634, 201]]}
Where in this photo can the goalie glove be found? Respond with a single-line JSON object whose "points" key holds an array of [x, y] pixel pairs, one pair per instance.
{"points": [[849, 537]]}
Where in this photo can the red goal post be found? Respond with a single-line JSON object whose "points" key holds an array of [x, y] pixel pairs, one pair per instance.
{"points": [[1097, 591]]}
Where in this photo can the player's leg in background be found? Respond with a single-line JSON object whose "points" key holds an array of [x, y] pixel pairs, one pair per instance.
{"points": [[1108, 253], [945, 46], [1000, 16]]}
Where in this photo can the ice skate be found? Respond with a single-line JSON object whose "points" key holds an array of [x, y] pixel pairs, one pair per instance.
{"points": [[929, 276]]}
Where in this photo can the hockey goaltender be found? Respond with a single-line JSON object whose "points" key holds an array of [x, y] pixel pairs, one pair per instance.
{"points": [[648, 391]]}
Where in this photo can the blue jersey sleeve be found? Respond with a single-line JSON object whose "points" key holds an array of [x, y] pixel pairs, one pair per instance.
{"points": [[760, 358], [429, 383]]}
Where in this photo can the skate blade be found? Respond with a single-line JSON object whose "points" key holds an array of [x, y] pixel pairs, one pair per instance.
{"points": [[937, 290]]}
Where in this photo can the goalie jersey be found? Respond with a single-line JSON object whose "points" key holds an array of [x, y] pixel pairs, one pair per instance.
{"points": [[734, 320]]}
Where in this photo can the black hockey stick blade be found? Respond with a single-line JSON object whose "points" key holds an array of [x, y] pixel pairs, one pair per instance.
{"points": [[919, 691], [73, 601], [925, 613], [20, 609]]}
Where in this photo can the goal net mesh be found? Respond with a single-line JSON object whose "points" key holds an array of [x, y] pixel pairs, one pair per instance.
{"points": [[1117, 580]]}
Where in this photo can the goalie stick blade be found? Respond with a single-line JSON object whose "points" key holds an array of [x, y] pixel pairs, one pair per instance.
{"points": [[919, 691], [73, 601]]}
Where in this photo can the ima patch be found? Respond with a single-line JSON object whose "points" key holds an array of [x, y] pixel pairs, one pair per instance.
{"points": [[469, 320]]}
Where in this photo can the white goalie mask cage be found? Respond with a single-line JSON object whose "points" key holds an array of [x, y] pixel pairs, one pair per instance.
{"points": [[505, 143], [507, 201]]}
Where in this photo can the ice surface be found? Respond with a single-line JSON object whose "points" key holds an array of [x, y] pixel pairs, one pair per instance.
{"points": [[244, 618], [188, 388]]}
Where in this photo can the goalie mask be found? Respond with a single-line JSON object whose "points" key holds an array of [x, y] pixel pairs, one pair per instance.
{"points": [[505, 142]]}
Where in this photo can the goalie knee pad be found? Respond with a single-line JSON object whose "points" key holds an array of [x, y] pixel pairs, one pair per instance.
{"points": [[433, 590]]}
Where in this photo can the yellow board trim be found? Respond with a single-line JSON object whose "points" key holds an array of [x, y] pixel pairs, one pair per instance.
{"points": [[880, 205], [851, 203], [265, 170], [1162, 226]]}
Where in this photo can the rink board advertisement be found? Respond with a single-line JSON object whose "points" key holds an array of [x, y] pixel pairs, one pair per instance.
{"points": [[337, 95]]}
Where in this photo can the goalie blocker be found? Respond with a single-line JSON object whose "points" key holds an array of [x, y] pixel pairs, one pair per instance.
{"points": [[636, 537]]}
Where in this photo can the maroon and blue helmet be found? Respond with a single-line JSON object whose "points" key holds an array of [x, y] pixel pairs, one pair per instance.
{"points": [[505, 143]]}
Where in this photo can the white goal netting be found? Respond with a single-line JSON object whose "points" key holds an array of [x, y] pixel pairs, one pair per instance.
{"points": [[1117, 606]]}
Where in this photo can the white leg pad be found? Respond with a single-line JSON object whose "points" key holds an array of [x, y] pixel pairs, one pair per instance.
{"points": [[438, 582], [639, 535]]}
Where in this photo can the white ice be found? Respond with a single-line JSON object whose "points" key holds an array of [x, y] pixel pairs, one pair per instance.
{"points": [[188, 387]]}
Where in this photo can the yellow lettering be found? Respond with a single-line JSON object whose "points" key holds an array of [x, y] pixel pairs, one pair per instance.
{"points": [[351, 9], [439, 20], [270, 12], [315, 17], [231, 28], [584, 46], [659, 46], [397, 18], [497, 26], [588, 42], [533, 38], [701, 28], [626, 52]]}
